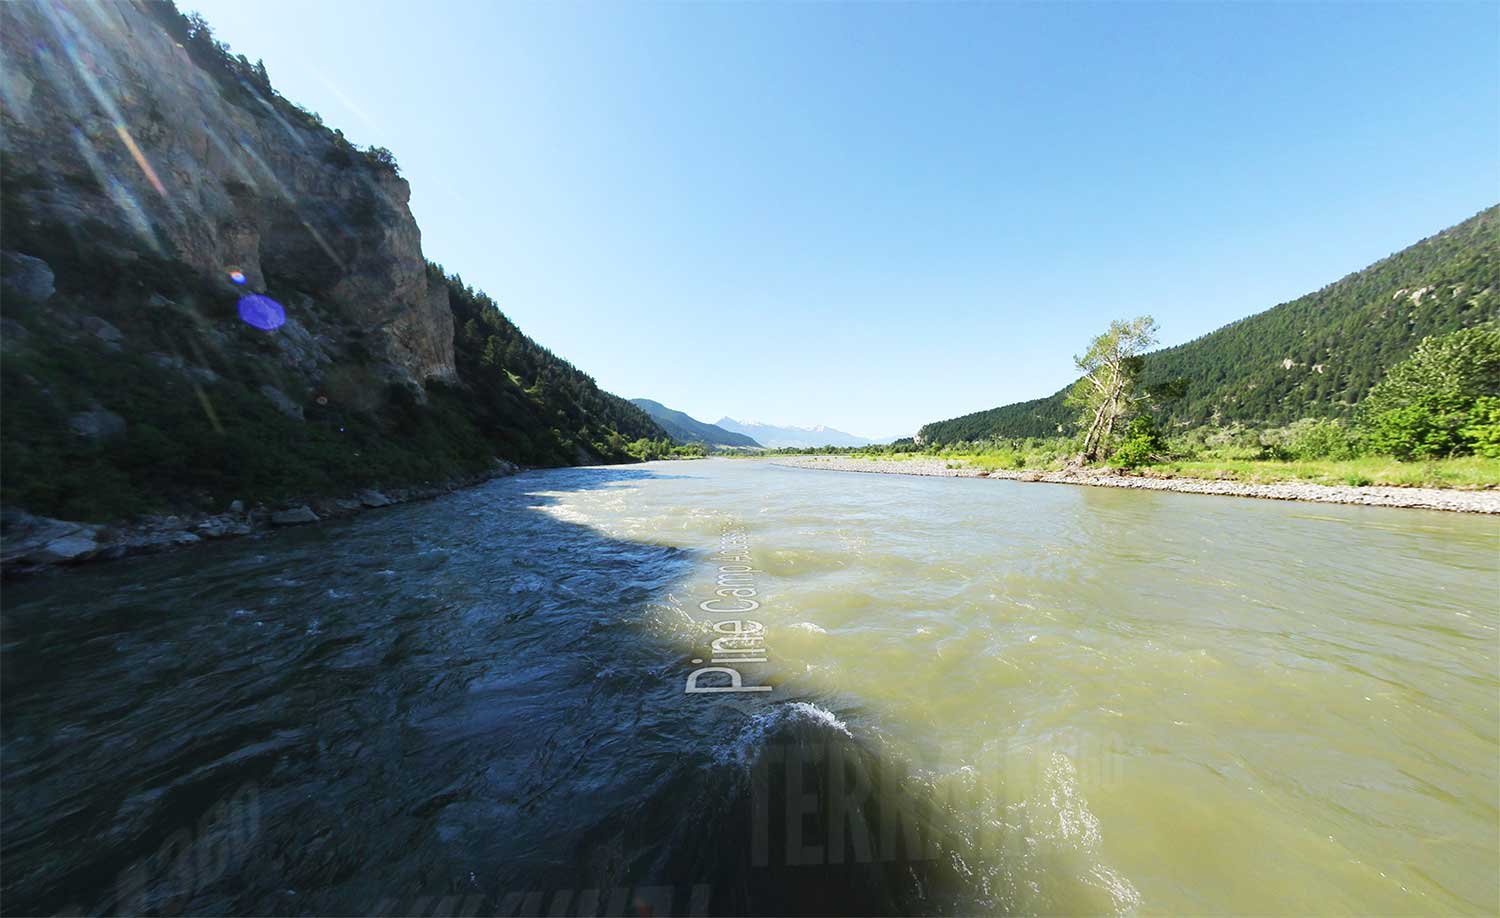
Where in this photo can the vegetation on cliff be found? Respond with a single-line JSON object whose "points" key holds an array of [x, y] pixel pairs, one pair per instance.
{"points": [[532, 403], [123, 398], [131, 383]]}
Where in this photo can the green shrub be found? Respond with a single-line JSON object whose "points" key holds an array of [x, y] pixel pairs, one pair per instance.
{"points": [[1427, 429], [1482, 432], [1185, 447], [1309, 438], [1427, 403], [1141, 444]]}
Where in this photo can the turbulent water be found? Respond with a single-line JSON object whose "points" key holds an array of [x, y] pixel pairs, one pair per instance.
{"points": [[986, 697]]}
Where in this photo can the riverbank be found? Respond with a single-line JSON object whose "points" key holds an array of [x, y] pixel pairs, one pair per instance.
{"points": [[1487, 501], [30, 544]]}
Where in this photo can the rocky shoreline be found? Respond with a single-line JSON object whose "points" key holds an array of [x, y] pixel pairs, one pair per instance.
{"points": [[31, 544], [1365, 495]]}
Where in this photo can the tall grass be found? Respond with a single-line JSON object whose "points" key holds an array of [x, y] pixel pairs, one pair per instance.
{"points": [[1459, 472], [1471, 472]]}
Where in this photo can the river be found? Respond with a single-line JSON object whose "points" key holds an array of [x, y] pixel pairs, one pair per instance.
{"points": [[986, 697]]}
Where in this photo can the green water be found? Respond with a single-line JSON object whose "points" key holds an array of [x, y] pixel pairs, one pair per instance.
{"points": [[1185, 703]]}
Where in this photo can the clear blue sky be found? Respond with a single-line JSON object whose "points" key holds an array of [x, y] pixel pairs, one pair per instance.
{"points": [[875, 215]]}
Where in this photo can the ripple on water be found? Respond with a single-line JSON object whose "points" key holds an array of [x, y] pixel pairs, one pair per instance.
{"points": [[752, 738], [1096, 693], [790, 564]]}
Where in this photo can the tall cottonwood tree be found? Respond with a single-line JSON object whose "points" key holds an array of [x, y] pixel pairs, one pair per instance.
{"points": [[1107, 392]]}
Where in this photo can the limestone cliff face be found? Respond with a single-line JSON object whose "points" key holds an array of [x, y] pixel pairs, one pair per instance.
{"points": [[109, 119]]}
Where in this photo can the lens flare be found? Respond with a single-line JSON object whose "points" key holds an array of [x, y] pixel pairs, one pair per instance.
{"points": [[237, 277], [262, 312]]}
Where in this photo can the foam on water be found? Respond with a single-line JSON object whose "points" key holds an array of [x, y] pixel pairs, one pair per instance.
{"points": [[808, 627], [743, 749], [1076, 823]]}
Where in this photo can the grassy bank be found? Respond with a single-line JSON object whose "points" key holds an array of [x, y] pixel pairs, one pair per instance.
{"points": [[1457, 472]]}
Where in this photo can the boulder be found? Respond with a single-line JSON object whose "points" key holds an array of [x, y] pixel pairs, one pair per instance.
{"points": [[335, 506], [107, 334], [219, 527], [170, 362], [16, 523], [300, 347], [373, 498], [295, 517], [97, 424], [77, 547], [282, 401], [151, 541], [26, 277], [13, 335], [41, 540]]}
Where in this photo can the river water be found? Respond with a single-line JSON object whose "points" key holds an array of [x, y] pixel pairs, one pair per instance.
{"points": [[986, 696]]}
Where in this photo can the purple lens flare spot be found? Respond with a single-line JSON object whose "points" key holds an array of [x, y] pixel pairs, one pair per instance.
{"points": [[237, 277], [262, 312]]}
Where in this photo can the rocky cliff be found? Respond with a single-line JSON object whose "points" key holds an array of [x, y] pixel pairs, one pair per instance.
{"points": [[114, 123], [211, 299]]}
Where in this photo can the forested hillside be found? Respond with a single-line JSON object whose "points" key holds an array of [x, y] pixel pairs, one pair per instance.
{"points": [[531, 402], [685, 428], [1315, 356]]}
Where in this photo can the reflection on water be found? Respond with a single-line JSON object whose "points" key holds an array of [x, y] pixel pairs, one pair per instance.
{"points": [[990, 696]]}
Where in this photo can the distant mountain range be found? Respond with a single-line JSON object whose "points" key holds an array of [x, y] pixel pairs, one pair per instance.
{"points": [[686, 429], [1315, 356], [775, 436]]}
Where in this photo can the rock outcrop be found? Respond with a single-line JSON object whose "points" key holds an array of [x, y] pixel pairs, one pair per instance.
{"points": [[181, 160], [97, 424], [26, 277], [40, 540], [294, 517]]}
